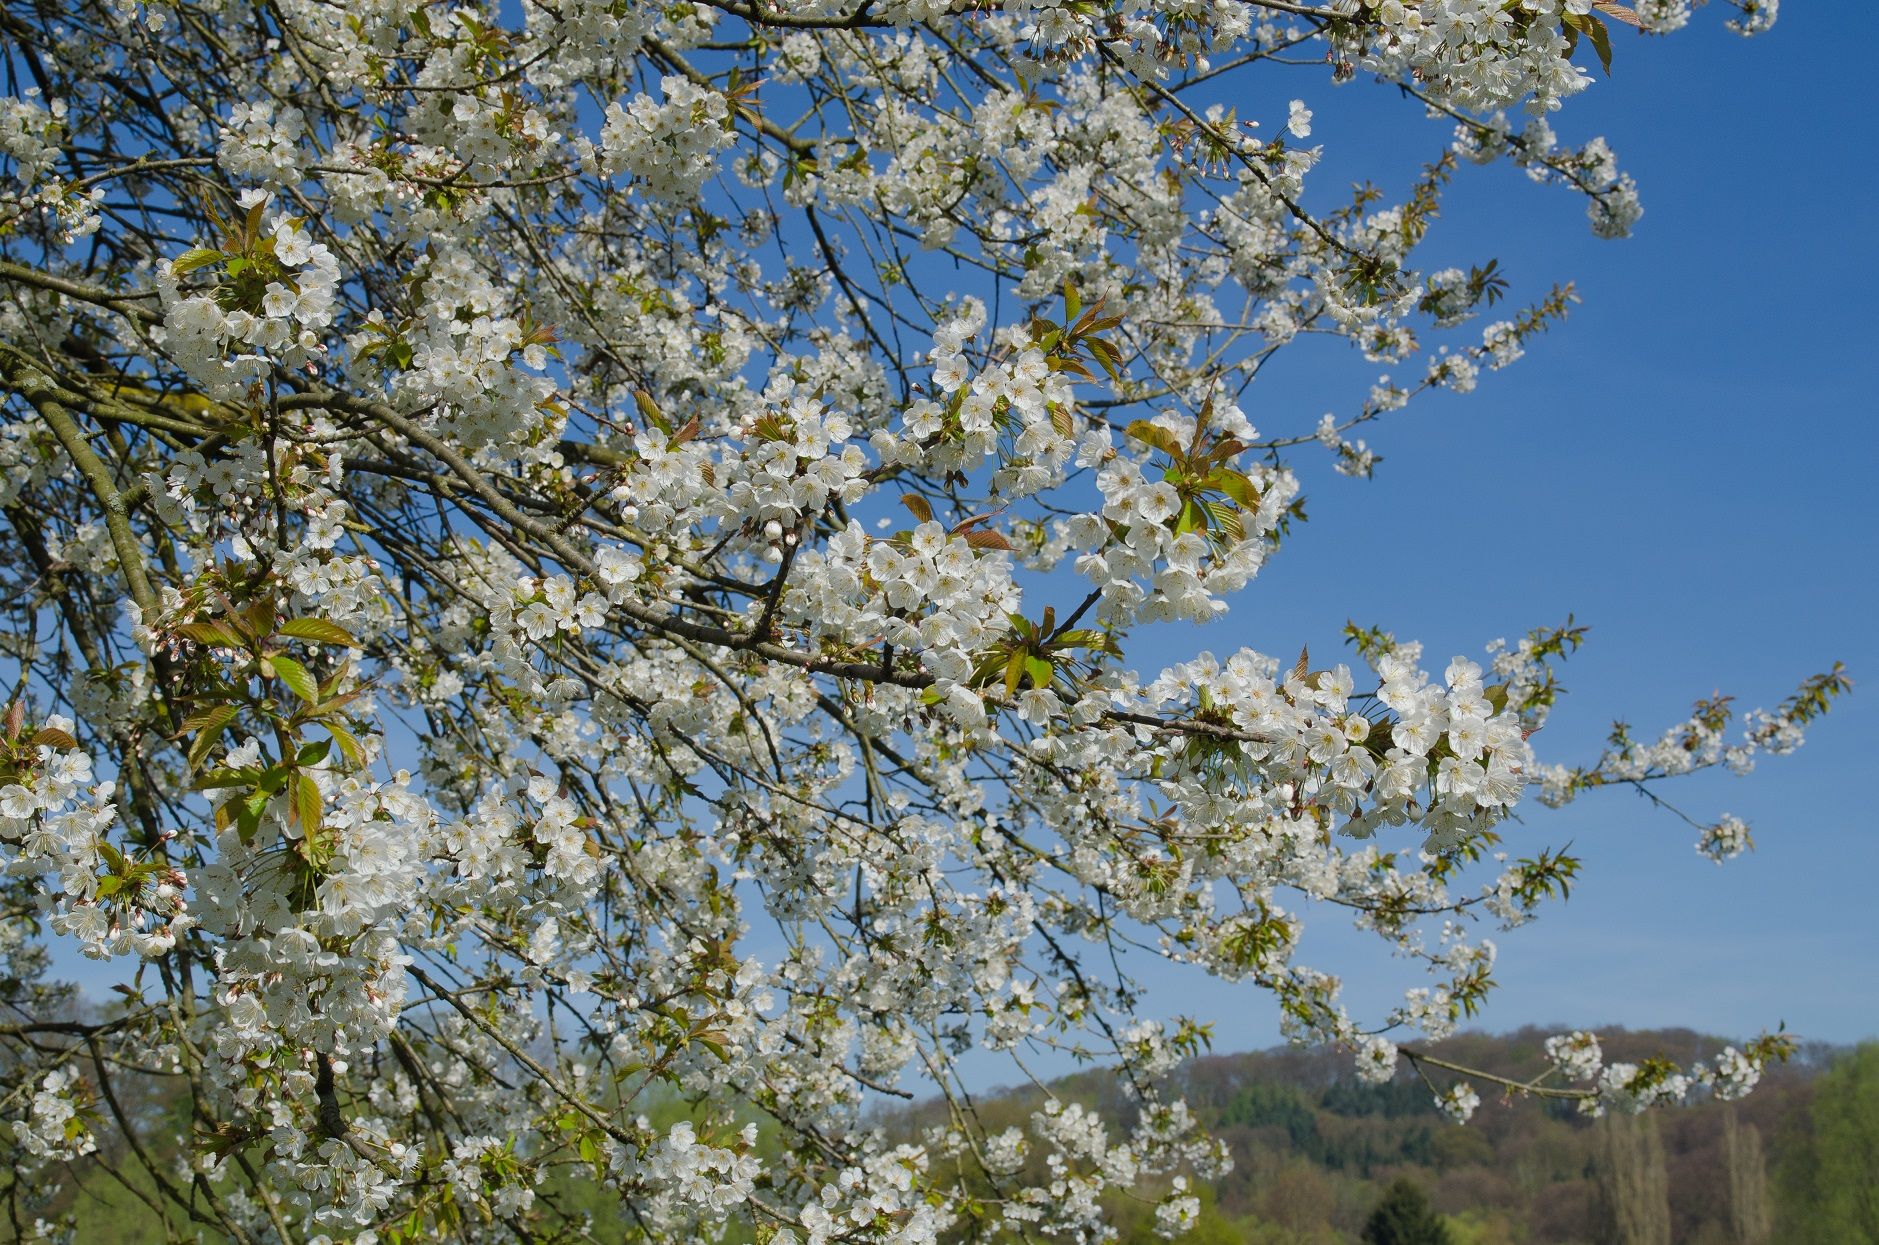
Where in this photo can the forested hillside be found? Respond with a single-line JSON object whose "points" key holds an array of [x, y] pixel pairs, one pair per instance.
{"points": [[1315, 1150]]}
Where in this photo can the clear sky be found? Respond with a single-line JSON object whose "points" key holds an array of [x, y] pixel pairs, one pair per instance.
{"points": [[1688, 466]]}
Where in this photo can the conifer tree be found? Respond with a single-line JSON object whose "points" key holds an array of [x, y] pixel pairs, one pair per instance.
{"points": [[1404, 1217]]}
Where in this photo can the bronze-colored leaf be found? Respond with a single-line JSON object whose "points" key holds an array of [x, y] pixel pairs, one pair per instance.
{"points": [[1619, 12]]}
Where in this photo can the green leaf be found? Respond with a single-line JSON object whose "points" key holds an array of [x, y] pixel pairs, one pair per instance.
{"points": [[314, 753], [1105, 354], [246, 776], [332, 702], [1072, 367], [1574, 25], [248, 823], [209, 726], [295, 676], [651, 411], [1192, 519], [347, 741], [1226, 519], [204, 719], [259, 616], [1155, 436], [1235, 485], [215, 635], [1601, 38], [310, 812], [195, 257]]}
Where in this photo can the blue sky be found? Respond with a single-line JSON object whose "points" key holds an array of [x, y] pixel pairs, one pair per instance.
{"points": [[1687, 466]]}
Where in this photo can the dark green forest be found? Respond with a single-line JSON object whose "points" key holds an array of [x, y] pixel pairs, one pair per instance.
{"points": [[1322, 1159]]}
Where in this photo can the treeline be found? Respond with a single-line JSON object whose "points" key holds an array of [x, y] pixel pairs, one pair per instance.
{"points": [[1318, 1154]]}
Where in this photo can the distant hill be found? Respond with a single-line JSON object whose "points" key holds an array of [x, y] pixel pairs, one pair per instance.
{"points": [[1314, 1149]]}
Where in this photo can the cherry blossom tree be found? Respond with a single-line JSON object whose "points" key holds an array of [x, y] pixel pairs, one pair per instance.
{"points": [[575, 560]]}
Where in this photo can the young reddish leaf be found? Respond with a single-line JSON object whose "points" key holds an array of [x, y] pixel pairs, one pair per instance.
{"points": [[52, 737], [1619, 12]]}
